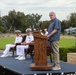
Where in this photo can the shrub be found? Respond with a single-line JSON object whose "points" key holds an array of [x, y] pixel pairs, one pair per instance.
{"points": [[64, 51]]}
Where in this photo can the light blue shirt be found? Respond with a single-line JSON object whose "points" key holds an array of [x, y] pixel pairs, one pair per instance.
{"points": [[55, 24]]}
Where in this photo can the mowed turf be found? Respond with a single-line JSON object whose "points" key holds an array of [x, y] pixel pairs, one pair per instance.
{"points": [[67, 42], [64, 42], [4, 41]]}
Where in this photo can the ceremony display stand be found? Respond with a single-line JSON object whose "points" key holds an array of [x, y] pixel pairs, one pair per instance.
{"points": [[40, 53]]}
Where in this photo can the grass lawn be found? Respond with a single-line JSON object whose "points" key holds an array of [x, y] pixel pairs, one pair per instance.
{"points": [[67, 42], [4, 41], [64, 42]]}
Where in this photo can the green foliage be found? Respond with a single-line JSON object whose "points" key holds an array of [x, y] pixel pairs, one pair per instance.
{"points": [[45, 24], [63, 54], [34, 20], [64, 25], [18, 20], [3, 28], [72, 19], [70, 22], [64, 51], [15, 20]]}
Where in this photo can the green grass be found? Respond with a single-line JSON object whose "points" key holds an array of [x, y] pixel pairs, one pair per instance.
{"points": [[67, 42], [64, 42], [4, 41]]}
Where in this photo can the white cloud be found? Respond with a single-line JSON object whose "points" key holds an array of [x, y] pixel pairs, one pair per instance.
{"points": [[43, 7]]}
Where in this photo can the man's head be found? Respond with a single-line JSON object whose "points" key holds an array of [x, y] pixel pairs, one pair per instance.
{"points": [[52, 15], [17, 32], [28, 31]]}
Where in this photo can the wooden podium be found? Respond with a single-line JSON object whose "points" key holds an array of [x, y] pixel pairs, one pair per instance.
{"points": [[40, 53]]}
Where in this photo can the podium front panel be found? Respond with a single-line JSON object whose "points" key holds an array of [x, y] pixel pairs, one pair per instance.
{"points": [[40, 55]]}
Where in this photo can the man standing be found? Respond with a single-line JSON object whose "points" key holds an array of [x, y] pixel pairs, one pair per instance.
{"points": [[54, 31]]}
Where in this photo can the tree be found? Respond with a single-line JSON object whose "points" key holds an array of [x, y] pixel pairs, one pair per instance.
{"points": [[21, 21], [14, 20], [70, 22], [64, 25], [72, 19], [34, 20], [45, 24], [18, 20], [2, 27]]}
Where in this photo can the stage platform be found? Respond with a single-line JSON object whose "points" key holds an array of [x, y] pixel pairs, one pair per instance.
{"points": [[23, 67]]}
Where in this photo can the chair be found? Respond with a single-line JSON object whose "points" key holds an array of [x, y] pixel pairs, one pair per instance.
{"points": [[49, 50], [30, 51]]}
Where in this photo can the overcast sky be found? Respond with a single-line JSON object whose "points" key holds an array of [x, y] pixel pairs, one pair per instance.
{"points": [[62, 7]]}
